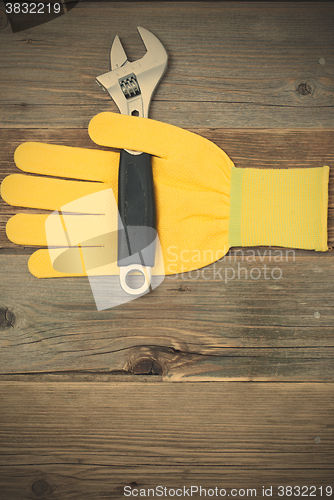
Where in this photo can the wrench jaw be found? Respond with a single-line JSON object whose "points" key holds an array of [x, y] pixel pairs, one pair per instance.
{"points": [[148, 81], [132, 84], [153, 66], [117, 54]]}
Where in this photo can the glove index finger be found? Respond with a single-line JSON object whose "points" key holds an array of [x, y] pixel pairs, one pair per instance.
{"points": [[65, 161], [130, 132]]}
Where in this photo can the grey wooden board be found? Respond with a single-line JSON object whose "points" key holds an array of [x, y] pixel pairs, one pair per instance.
{"points": [[89, 441], [197, 327], [87, 418], [94, 482], [231, 64]]}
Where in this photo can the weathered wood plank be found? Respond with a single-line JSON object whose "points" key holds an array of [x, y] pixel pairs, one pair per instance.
{"points": [[274, 148], [231, 64], [198, 327], [89, 441], [242, 425], [93, 482]]}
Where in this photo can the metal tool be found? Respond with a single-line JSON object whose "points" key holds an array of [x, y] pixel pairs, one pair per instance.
{"points": [[131, 85]]}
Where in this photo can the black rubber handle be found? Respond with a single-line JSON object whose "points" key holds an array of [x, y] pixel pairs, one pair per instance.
{"points": [[136, 206]]}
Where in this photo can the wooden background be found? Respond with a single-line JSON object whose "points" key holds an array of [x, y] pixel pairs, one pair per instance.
{"points": [[203, 382]]}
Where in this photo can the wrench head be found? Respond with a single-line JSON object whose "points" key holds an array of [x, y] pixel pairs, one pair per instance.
{"points": [[132, 84]]}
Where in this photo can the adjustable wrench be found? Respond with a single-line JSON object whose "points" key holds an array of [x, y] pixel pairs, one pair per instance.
{"points": [[131, 85]]}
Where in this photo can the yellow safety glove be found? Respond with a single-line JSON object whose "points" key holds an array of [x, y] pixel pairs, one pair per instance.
{"points": [[204, 204]]}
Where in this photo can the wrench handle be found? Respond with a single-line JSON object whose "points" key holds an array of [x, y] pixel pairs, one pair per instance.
{"points": [[137, 210]]}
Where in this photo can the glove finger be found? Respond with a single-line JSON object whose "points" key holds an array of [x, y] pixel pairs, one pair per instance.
{"points": [[40, 266], [43, 192], [128, 132], [156, 138], [27, 229], [65, 228], [139, 134], [30, 229], [66, 161]]}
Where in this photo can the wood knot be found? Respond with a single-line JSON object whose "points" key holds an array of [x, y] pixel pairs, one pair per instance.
{"points": [[181, 288], [7, 318], [3, 19], [120, 489], [41, 487], [304, 89], [146, 366]]}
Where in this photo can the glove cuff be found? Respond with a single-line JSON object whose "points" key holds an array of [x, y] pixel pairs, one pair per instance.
{"points": [[279, 207]]}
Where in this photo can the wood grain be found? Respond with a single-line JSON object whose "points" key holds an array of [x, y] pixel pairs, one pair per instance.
{"points": [[94, 482], [83, 440], [197, 327], [289, 424], [231, 64]]}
